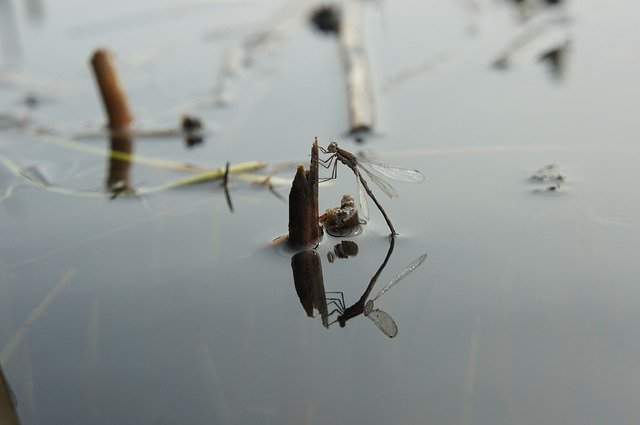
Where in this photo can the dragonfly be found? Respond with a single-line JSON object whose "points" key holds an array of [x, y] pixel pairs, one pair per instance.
{"points": [[380, 318], [394, 172]]}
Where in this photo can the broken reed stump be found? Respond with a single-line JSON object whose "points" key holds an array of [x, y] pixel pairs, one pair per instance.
{"points": [[362, 113], [119, 116], [113, 96], [304, 226]]}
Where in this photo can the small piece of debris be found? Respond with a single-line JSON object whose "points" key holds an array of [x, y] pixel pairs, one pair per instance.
{"points": [[342, 221], [326, 19], [192, 129], [549, 174], [346, 249]]}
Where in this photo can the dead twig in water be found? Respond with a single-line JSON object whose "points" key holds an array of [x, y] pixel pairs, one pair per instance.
{"points": [[361, 103], [225, 185]]}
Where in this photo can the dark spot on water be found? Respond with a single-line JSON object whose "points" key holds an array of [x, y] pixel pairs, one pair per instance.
{"points": [[326, 19]]}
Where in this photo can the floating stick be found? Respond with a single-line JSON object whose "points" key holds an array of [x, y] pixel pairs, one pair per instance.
{"points": [[362, 114]]}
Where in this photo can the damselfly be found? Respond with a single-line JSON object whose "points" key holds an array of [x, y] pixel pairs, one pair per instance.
{"points": [[382, 320], [394, 172]]}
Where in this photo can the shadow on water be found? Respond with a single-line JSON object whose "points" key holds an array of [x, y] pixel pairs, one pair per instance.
{"points": [[309, 285], [8, 414]]}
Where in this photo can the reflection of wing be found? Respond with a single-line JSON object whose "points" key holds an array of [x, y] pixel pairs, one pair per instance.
{"points": [[384, 322], [404, 272], [362, 198], [396, 172], [368, 307]]}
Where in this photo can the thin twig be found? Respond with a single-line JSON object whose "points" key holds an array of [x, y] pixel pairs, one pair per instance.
{"points": [[225, 185], [17, 338]]}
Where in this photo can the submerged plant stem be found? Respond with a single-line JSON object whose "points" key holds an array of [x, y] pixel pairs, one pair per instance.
{"points": [[19, 336]]}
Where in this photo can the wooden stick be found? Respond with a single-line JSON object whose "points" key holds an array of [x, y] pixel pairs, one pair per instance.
{"points": [[304, 226], [115, 104], [362, 114], [113, 96]]}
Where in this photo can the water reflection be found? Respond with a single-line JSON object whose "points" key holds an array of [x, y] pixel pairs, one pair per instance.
{"points": [[9, 41], [8, 414], [309, 284], [344, 249], [358, 308], [118, 170], [527, 8], [35, 11], [555, 58]]}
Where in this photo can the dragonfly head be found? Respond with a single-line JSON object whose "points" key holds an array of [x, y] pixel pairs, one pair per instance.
{"points": [[333, 147], [342, 321]]}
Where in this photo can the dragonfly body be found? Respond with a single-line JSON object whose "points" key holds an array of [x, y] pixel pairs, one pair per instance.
{"points": [[356, 165]]}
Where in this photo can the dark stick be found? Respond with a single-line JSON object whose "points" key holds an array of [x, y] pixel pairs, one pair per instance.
{"points": [[113, 95], [304, 227], [120, 117], [225, 185]]}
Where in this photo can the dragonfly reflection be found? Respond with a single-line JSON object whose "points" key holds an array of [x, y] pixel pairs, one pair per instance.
{"points": [[382, 320], [394, 172]]}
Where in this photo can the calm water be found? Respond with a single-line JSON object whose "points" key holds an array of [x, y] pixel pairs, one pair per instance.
{"points": [[170, 309]]}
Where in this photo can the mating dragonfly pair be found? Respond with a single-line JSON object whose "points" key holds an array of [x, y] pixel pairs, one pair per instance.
{"points": [[394, 172]]}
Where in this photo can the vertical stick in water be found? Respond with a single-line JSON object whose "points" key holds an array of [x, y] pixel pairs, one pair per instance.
{"points": [[113, 95], [362, 114], [304, 226], [120, 117]]}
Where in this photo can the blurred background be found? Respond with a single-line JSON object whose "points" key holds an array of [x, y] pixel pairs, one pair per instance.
{"points": [[143, 299]]}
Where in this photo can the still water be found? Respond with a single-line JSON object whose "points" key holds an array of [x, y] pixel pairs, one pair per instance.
{"points": [[169, 309]]}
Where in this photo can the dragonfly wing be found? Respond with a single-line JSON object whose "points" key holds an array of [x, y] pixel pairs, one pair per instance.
{"points": [[362, 198], [384, 322], [402, 274], [396, 172], [383, 185], [368, 307]]}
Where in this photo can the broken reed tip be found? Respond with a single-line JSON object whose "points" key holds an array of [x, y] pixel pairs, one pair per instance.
{"points": [[113, 96], [304, 226]]}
